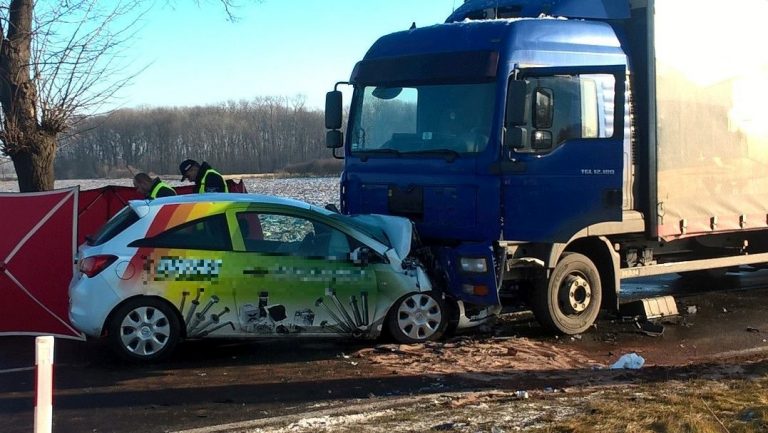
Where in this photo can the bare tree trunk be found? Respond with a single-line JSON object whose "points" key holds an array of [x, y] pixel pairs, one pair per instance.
{"points": [[30, 147], [35, 169]]}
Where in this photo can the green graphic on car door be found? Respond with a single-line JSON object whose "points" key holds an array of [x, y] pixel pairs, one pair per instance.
{"points": [[198, 282], [192, 266], [299, 279]]}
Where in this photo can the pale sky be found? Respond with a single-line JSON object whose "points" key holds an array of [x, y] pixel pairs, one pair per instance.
{"points": [[275, 48]]}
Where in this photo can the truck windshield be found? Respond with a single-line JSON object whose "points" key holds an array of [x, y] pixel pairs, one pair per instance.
{"points": [[452, 119]]}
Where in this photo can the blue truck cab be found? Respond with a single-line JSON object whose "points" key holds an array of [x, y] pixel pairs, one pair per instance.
{"points": [[519, 137]]}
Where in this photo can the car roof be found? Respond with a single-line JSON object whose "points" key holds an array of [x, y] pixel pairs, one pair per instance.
{"points": [[224, 198]]}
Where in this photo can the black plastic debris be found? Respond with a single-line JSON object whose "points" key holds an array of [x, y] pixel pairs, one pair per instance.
{"points": [[651, 329], [650, 308]]}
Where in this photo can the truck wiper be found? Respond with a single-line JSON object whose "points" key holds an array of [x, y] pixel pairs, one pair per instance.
{"points": [[364, 154], [449, 154]]}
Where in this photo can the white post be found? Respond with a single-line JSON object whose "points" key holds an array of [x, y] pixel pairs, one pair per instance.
{"points": [[44, 391]]}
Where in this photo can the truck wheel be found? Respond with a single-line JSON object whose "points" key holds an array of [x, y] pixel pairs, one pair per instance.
{"points": [[144, 330], [417, 317], [570, 301]]}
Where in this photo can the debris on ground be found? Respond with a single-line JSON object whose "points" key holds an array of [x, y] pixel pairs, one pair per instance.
{"points": [[650, 308], [650, 329], [629, 361], [477, 354]]}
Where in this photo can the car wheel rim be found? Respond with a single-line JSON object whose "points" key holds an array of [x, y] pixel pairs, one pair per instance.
{"points": [[576, 293], [145, 331], [419, 316]]}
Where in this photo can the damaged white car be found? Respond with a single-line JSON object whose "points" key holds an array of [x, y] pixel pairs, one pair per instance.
{"points": [[244, 265]]}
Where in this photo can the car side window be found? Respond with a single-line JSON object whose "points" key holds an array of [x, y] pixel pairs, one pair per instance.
{"points": [[210, 233], [291, 235]]}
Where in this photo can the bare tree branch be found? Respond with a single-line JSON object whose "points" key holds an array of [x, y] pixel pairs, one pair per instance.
{"points": [[60, 61]]}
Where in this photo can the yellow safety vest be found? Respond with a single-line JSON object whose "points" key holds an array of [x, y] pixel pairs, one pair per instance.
{"points": [[157, 188], [205, 175]]}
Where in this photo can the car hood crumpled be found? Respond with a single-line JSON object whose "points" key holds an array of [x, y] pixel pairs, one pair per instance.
{"points": [[398, 229]]}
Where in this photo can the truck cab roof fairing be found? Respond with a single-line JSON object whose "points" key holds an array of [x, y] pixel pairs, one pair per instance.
{"points": [[419, 55], [477, 66], [586, 9]]}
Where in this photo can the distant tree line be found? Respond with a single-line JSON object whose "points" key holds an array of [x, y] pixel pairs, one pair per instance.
{"points": [[262, 135]]}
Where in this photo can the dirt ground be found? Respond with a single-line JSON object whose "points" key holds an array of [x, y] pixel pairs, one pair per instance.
{"points": [[470, 382]]}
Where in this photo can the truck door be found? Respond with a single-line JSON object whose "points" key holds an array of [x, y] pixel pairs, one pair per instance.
{"points": [[563, 151]]}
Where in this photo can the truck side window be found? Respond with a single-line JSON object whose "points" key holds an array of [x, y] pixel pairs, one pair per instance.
{"points": [[571, 107]]}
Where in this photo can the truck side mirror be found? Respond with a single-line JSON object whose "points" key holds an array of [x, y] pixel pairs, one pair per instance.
{"points": [[544, 113], [333, 110], [517, 137], [334, 139], [542, 140], [517, 104]]}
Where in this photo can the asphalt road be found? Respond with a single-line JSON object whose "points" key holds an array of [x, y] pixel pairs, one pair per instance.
{"points": [[209, 382]]}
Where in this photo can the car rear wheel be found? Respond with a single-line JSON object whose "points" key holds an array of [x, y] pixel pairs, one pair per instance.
{"points": [[144, 330], [417, 317]]}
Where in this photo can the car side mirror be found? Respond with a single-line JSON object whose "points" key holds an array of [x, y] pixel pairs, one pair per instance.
{"points": [[361, 256]]}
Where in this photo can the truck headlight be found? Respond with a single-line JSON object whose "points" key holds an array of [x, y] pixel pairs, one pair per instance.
{"points": [[474, 265]]}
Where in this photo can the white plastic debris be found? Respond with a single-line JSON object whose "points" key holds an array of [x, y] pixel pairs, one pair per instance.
{"points": [[521, 394], [629, 361]]}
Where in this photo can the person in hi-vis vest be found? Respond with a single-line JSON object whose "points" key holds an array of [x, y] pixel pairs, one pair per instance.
{"points": [[206, 179], [152, 188]]}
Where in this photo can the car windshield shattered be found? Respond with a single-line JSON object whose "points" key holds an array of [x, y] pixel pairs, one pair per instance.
{"points": [[450, 119]]}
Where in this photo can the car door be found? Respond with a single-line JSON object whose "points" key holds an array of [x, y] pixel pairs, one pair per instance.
{"points": [[297, 277], [190, 265]]}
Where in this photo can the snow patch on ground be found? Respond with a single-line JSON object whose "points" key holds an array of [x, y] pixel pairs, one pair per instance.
{"points": [[315, 190], [331, 422]]}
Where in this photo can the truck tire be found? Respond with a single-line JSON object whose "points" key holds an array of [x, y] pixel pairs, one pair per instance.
{"points": [[144, 330], [569, 301], [417, 317]]}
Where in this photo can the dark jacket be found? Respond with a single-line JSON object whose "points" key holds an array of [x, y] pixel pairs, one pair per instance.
{"points": [[209, 180], [160, 189]]}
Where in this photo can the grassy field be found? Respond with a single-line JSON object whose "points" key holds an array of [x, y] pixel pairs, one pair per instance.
{"points": [[726, 399], [696, 406]]}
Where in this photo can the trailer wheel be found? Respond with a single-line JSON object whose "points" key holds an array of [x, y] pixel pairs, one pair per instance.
{"points": [[144, 330], [570, 301], [417, 317]]}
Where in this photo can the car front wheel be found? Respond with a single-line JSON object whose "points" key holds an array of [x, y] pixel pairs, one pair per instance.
{"points": [[144, 330], [417, 317]]}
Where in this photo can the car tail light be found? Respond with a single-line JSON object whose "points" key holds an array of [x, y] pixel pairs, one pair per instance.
{"points": [[91, 266]]}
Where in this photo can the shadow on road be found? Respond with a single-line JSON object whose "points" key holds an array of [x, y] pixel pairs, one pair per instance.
{"points": [[250, 395]]}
